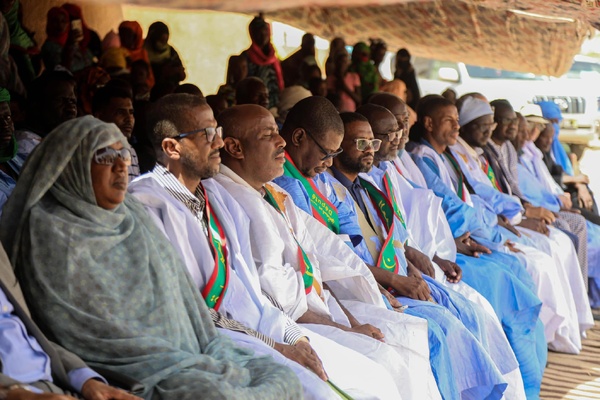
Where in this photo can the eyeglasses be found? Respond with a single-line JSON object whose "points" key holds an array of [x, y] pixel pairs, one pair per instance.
{"points": [[211, 133], [328, 155], [393, 135], [486, 127], [364, 144], [108, 156], [508, 121]]}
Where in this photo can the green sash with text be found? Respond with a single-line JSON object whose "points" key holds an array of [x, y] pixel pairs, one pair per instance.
{"points": [[322, 208]]}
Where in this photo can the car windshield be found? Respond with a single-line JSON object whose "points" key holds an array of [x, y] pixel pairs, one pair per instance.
{"points": [[491, 73], [582, 69]]}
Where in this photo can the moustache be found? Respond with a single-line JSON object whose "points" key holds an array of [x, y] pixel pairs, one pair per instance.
{"points": [[279, 151]]}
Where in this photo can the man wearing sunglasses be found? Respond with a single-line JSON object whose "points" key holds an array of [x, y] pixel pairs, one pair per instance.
{"points": [[318, 197], [383, 226]]}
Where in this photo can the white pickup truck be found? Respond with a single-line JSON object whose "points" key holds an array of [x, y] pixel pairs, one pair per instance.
{"points": [[577, 93]]}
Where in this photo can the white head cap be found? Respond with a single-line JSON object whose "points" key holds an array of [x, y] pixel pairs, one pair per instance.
{"points": [[473, 108]]}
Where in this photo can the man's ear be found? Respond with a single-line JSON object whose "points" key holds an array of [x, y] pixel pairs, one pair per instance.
{"points": [[428, 123], [171, 148], [298, 136], [233, 147]]}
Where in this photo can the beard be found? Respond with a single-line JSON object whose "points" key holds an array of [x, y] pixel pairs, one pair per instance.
{"points": [[355, 165], [192, 166], [389, 156]]}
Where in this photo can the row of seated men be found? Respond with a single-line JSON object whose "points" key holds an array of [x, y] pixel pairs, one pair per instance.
{"points": [[319, 261]]}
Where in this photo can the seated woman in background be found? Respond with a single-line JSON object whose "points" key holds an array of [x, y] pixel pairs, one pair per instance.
{"points": [[164, 59], [66, 43], [104, 282], [91, 40], [132, 43]]}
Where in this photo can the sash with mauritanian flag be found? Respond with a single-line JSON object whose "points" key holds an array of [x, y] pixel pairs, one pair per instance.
{"points": [[322, 209], [460, 190], [490, 174], [215, 288], [386, 211], [306, 269]]}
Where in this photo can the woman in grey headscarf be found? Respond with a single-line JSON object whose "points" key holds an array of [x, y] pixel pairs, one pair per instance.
{"points": [[104, 282]]}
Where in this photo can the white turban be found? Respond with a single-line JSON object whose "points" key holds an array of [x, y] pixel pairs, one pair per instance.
{"points": [[473, 108]]}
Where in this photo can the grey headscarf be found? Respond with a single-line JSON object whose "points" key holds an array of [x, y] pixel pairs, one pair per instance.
{"points": [[107, 285]]}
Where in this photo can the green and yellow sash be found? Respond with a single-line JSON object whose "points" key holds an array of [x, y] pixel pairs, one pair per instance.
{"points": [[387, 184], [387, 256], [275, 199], [490, 174], [322, 209], [460, 191], [215, 289]]}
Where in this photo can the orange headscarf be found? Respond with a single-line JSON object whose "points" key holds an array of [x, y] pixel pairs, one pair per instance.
{"points": [[60, 38], [75, 13], [138, 52]]}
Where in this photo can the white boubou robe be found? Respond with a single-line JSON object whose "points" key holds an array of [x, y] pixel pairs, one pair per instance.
{"points": [[244, 302], [543, 262], [558, 245], [275, 253], [429, 232]]}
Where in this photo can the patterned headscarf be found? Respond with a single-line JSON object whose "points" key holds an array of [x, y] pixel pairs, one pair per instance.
{"points": [[108, 285]]}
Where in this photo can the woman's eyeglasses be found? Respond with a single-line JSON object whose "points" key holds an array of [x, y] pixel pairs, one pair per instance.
{"points": [[108, 156]]}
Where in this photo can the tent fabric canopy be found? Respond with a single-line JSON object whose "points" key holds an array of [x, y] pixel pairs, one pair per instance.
{"points": [[453, 30], [539, 36]]}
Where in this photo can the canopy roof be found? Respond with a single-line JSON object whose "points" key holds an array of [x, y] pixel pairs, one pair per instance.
{"points": [[540, 36]]}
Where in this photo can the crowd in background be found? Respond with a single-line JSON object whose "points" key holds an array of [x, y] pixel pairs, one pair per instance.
{"points": [[457, 207]]}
